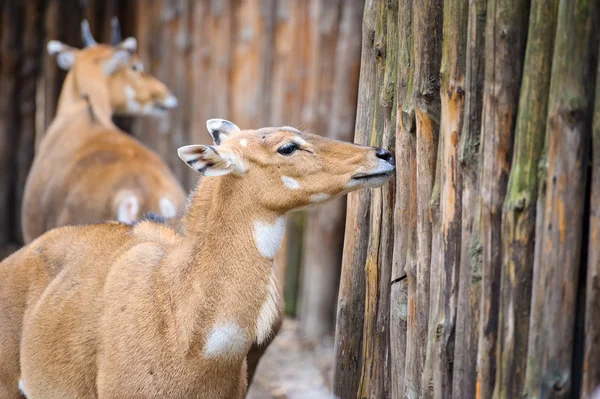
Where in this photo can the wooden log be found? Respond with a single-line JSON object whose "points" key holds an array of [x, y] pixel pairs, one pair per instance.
{"points": [[427, 34], [323, 243], [467, 316], [406, 205], [550, 352], [337, 26], [519, 213], [505, 48], [591, 367], [350, 310], [447, 198]]}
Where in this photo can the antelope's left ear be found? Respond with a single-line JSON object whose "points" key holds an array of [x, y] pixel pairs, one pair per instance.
{"points": [[208, 161], [221, 129], [64, 54]]}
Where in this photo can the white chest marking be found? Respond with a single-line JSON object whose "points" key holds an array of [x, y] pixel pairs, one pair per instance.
{"points": [[268, 312], [267, 237], [244, 142], [319, 197], [128, 209], [167, 208], [290, 183], [22, 388], [225, 340]]}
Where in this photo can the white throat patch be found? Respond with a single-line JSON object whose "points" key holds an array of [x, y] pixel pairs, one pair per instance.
{"points": [[267, 237], [226, 340], [167, 208], [290, 183]]}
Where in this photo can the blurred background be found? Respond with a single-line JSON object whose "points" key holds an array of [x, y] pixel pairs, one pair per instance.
{"points": [[255, 62]]}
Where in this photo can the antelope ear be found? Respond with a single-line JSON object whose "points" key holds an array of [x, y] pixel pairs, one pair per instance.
{"points": [[64, 54], [118, 59], [221, 130], [206, 160]]}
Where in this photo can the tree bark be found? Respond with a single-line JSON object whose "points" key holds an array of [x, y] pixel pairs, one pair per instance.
{"points": [[350, 310], [427, 23], [406, 204], [467, 315], [505, 47], [591, 368], [518, 219], [556, 266]]}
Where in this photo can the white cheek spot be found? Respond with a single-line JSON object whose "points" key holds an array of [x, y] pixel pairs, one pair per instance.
{"points": [[244, 142], [129, 92], [319, 197], [167, 208], [268, 312], [226, 340], [128, 209], [22, 388], [267, 237], [290, 183]]}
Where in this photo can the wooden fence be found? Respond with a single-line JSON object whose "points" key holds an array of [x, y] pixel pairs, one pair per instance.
{"points": [[255, 62], [477, 274]]}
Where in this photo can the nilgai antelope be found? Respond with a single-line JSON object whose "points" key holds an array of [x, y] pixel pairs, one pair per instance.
{"points": [[86, 170], [146, 311]]}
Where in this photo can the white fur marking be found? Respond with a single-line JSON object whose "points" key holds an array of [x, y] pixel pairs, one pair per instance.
{"points": [[227, 339], [268, 312], [128, 209], [167, 208], [267, 237], [129, 92], [244, 142], [290, 183], [298, 141], [170, 102], [22, 388], [319, 197]]}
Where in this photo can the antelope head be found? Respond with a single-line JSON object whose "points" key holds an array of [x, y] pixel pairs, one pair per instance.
{"points": [[131, 91], [282, 168]]}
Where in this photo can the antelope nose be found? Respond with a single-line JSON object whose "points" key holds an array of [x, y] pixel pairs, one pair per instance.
{"points": [[384, 154]]}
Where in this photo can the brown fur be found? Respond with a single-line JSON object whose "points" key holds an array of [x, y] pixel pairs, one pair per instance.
{"points": [[132, 310], [85, 165]]}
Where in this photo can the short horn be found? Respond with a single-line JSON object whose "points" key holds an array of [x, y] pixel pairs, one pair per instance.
{"points": [[86, 34], [115, 31]]}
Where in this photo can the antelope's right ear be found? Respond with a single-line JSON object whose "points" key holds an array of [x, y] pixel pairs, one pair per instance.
{"points": [[206, 160], [65, 55], [221, 129]]}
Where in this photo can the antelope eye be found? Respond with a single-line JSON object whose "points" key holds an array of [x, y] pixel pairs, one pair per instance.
{"points": [[287, 149]]}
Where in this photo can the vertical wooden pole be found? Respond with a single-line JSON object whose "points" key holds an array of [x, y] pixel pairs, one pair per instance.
{"points": [[350, 311], [518, 219], [427, 33], [591, 368], [505, 48], [406, 204], [556, 271], [467, 315]]}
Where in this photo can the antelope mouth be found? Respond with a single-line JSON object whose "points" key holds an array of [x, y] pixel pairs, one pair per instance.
{"points": [[376, 175]]}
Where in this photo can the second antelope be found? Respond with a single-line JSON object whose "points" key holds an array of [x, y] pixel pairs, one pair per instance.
{"points": [[147, 311], [86, 170]]}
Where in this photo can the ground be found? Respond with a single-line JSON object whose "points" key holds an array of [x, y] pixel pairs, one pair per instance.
{"points": [[294, 368]]}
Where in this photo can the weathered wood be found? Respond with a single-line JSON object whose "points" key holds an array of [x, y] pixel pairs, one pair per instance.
{"points": [[519, 213], [467, 315], [550, 355], [350, 314], [427, 34], [449, 189], [505, 48], [406, 203], [591, 367], [323, 241]]}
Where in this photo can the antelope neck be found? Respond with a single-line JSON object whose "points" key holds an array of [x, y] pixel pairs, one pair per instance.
{"points": [[77, 91]]}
